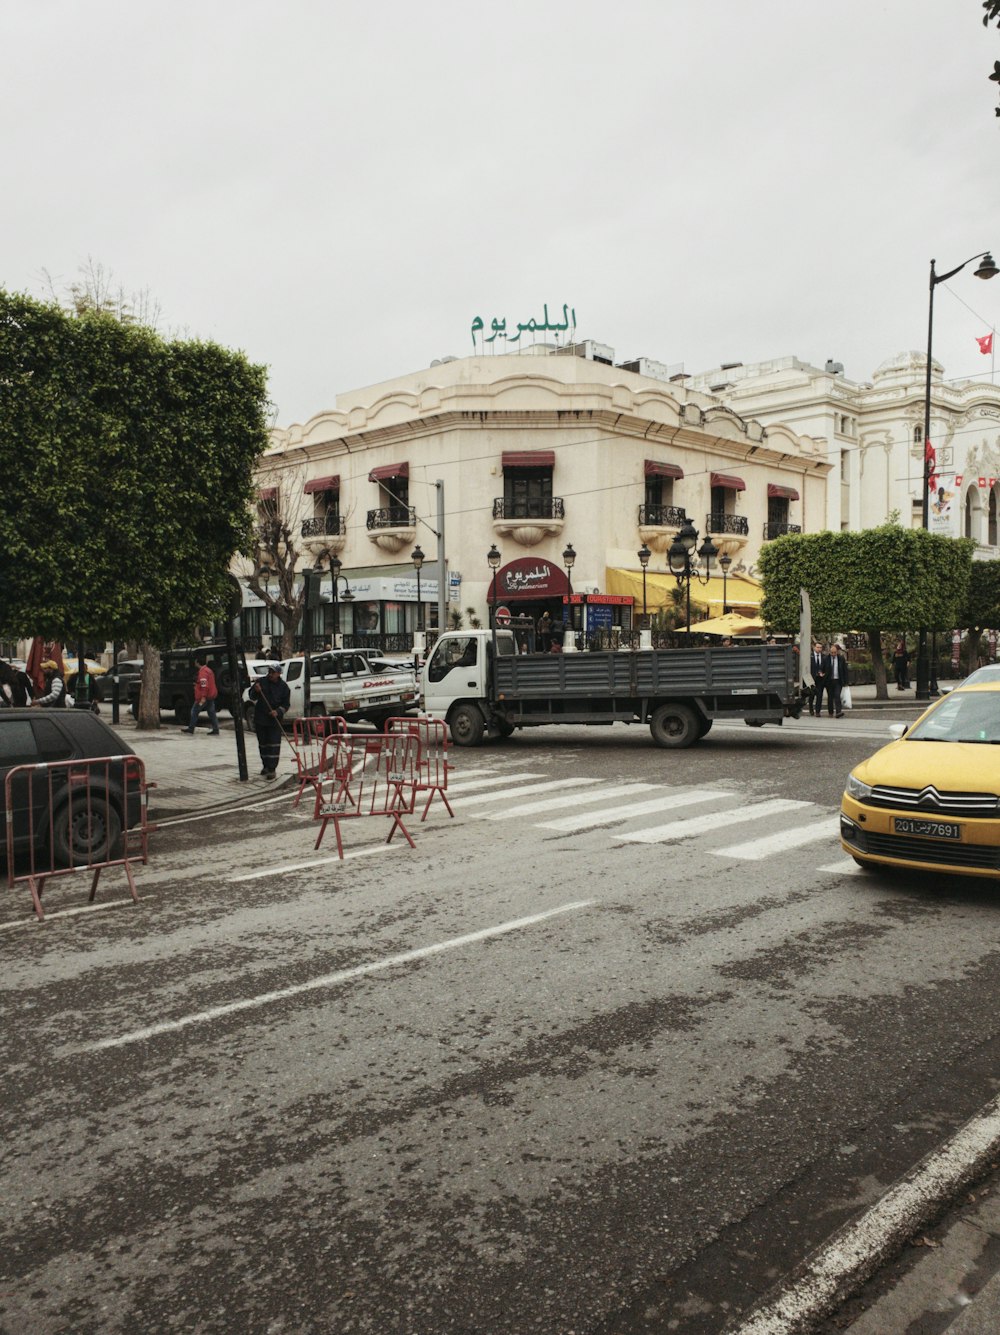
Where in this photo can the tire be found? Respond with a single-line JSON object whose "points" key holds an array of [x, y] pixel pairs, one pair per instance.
{"points": [[503, 728], [94, 834], [674, 726], [182, 711], [705, 726], [465, 723]]}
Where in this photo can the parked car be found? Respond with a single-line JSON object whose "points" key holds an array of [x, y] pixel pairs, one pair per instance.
{"points": [[94, 833], [931, 799], [177, 672]]}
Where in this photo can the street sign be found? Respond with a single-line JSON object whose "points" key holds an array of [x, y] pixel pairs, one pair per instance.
{"points": [[503, 616]]}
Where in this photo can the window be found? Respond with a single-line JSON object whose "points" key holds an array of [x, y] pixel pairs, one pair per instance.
{"points": [[659, 491], [527, 493], [51, 740], [17, 743], [918, 434], [449, 654]]}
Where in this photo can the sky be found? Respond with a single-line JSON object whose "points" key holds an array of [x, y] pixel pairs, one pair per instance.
{"points": [[338, 187]]}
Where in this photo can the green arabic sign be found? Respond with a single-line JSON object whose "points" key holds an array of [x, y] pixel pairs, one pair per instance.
{"points": [[532, 326]]}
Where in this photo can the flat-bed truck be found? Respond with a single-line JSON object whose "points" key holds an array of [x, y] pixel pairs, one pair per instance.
{"points": [[483, 687]]}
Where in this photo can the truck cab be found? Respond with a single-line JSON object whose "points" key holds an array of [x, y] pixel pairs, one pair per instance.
{"points": [[456, 682]]}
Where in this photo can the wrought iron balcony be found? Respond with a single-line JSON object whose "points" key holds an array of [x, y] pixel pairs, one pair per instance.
{"points": [[720, 523], [779, 530], [550, 508], [393, 516], [324, 526], [662, 516]]}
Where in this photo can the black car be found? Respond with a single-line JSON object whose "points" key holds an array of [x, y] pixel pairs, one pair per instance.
{"points": [[177, 673], [105, 798]]}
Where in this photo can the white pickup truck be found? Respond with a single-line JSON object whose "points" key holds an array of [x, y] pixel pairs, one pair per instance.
{"points": [[344, 682]]}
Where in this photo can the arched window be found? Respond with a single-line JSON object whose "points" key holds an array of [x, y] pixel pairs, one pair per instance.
{"points": [[918, 434], [991, 521], [973, 515]]}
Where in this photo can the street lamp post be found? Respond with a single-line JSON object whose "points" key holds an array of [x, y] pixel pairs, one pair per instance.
{"points": [[725, 561], [493, 559], [417, 557], [645, 639], [569, 560], [987, 269], [681, 566], [336, 565]]}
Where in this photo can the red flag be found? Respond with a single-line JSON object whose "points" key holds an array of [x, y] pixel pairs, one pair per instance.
{"points": [[930, 460], [985, 344]]}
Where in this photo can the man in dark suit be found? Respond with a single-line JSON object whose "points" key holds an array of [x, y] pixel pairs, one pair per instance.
{"points": [[818, 667], [836, 678]]}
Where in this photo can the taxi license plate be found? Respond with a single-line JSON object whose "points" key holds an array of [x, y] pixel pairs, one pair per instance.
{"points": [[929, 829]]}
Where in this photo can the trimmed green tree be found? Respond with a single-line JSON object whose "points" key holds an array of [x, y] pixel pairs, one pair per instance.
{"points": [[882, 579], [128, 462], [982, 606]]}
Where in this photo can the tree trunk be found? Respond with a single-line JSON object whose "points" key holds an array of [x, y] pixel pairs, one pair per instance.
{"points": [[878, 665], [149, 696]]}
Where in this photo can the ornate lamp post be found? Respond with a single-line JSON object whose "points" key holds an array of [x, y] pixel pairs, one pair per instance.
{"points": [[493, 559], [725, 560], [417, 557], [569, 560], [336, 565], [681, 565], [644, 554]]}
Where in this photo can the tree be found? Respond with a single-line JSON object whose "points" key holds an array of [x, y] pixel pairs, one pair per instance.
{"points": [[882, 579], [128, 464], [981, 610]]}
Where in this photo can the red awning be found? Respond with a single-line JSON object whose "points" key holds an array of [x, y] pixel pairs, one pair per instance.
{"points": [[268, 494], [528, 577], [529, 459], [655, 469], [387, 471], [331, 483], [729, 482], [783, 493]]}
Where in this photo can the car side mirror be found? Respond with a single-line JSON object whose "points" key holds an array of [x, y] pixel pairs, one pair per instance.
{"points": [[897, 730]]}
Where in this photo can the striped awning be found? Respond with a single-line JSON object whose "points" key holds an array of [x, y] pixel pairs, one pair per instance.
{"points": [[329, 483], [781, 493], [728, 481], [387, 471], [529, 459], [267, 494], [654, 468]]}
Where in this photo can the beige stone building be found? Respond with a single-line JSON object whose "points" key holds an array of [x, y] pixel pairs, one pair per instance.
{"points": [[535, 453]]}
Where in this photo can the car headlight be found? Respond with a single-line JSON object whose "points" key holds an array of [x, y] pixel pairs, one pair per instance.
{"points": [[856, 789]]}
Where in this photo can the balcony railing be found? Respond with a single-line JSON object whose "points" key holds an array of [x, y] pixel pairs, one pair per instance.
{"points": [[324, 526], [393, 516], [779, 530], [544, 508], [720, 523], [662, 516]]}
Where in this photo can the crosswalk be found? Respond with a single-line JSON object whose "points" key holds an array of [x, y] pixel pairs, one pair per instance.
{"points": [[653, 813]]}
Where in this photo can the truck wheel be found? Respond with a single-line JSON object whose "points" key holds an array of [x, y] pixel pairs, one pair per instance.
{"points": [[674, 726], [504, 729], [705, 726], [466, 725]]}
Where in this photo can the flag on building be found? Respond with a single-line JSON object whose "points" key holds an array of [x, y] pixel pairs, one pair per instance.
{"points": [[930, 460], [985, 344]]}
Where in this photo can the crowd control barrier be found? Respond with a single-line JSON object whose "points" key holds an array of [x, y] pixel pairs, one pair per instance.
{"points": [[75, 815], [309, 736], [368, 776], [433, 737]]}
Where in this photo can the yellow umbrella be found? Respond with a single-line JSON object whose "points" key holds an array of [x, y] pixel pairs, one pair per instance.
{"points": [[730, 624]]}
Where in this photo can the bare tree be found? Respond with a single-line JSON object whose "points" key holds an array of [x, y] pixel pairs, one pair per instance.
{"points": [[95, 289]]}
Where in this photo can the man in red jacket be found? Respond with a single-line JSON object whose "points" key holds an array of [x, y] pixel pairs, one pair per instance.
{"points": [[205, 694]]}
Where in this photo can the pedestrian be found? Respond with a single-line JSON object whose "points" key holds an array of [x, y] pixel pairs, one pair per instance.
{"points": [[273, 699], [544, 633], [901, 664], [818, 667], [90, 685], [54, 696], [7, 680], [836, 679], [205, 695]]}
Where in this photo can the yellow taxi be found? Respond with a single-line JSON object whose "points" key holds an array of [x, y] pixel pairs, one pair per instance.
{"points": [[931, 799]]}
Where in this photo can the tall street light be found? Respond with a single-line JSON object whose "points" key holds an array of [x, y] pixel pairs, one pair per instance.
{"points": [[336, 565], [417, 557], [493, 559], [681, 565], [569, 560], [987, 269], [725, 560], [644, 554]]}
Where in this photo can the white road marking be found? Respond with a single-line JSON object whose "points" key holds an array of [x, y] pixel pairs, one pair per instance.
{"points": [[587, 820], [334, 979], [50, 914], [574, 800], [508, 793], [770, 844], [495, 782], [684, 829], [857, 1250], [315, 862]]}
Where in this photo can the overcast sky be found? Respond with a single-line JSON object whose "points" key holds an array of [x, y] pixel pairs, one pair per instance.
{"points": [[338, 186]]}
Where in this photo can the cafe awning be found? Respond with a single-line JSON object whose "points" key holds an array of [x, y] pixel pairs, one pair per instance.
{"points": [[656, 469], [328, 483], [782, 493], [743, 594], [728, 481]]}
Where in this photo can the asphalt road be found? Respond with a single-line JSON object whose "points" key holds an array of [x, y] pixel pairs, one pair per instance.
{"points": [[608, 1053]]}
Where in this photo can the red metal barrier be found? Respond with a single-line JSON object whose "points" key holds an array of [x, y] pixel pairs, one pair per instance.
{"points": [[309, 737], [433, 737], [368, 776], [75, 815]]}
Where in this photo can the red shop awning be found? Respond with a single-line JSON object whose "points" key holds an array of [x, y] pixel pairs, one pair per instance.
{"points": [[330, 483], [529, 459], [782, 493], [728, 481], [528, 577], [656, 469], [387, 471]]}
